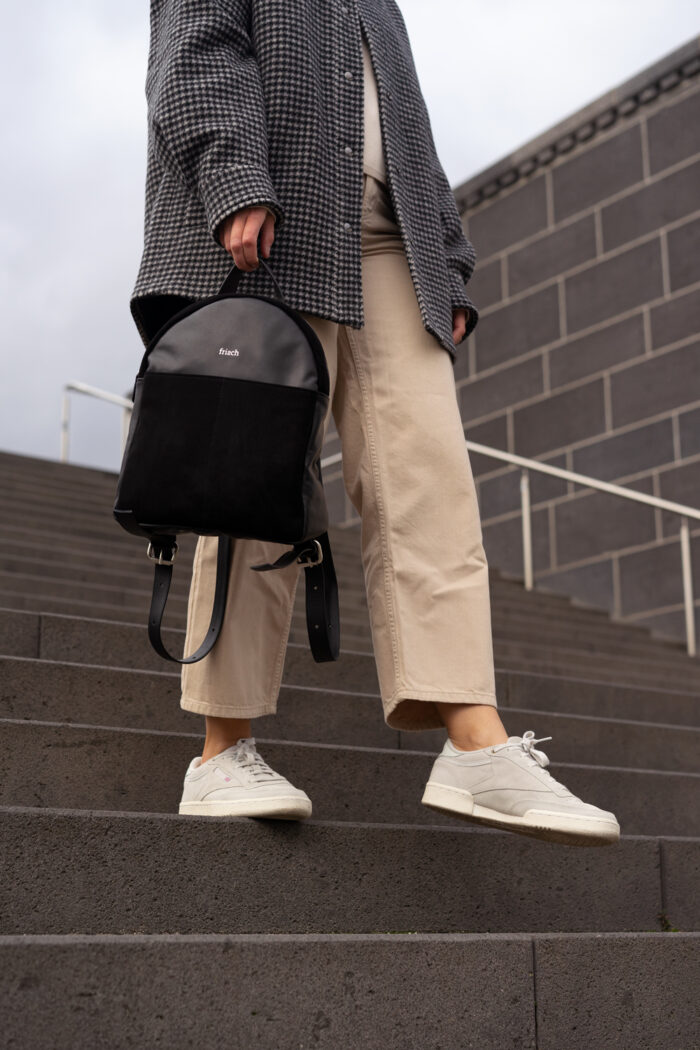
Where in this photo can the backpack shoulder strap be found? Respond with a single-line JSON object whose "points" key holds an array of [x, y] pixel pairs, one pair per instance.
{"points": [[322, 611], [161, 586]]}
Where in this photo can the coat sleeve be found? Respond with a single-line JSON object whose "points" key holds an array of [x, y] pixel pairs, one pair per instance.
{"points": [[460, 253], [206, 110]]}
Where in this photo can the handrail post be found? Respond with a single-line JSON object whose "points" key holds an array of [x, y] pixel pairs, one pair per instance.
{"points": [[527, 527], [102, 395], [65, 425], [688, 587]]}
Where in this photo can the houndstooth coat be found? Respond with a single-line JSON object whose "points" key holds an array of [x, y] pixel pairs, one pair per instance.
{"points": [[261, 102]]}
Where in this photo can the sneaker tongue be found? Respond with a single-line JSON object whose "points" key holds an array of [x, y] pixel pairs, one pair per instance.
{"points": [[514, 740]]}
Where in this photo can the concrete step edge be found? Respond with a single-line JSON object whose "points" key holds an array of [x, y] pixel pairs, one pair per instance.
{"points": [[447, 829], [37, 939]]}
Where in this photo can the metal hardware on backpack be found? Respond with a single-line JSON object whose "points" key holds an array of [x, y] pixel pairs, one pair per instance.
{"points": [[225, 440]]}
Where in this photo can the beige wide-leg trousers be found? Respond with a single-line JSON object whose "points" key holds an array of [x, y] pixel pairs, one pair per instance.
{"points": [[406, 471]]}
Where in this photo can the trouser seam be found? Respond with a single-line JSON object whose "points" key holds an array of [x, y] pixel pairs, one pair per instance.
{"points": [[387, 560], [284, 639]]}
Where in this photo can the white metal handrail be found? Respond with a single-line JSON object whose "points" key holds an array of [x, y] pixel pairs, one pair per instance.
{"points": [[527, 465], [91, 391], [523, 462]]}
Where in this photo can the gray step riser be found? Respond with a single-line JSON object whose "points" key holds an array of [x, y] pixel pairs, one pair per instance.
{"points": [[128, 578], [338, 557], [676, 671], [129, 589], [121, 547], [99, 572], [681, 675], [58, 496], [115, 771], [49, 691], [349, 574], [136, 576], [63, 523], [118, 544], [356, 639], [508, 656], [101, 595], [65, 559], [480, 992], [33, 466], [50, 494], [641, 677], [73, 872], [116, 589], [353, 604], [131, 557], [597, 627], [130, 606], [38, 480], [75, 517], [131, 573], [507, 592], [110, 644], [354, 633], [67, 520]]}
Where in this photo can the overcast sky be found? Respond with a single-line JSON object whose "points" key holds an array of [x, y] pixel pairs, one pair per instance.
{"points": [[494, 74]]}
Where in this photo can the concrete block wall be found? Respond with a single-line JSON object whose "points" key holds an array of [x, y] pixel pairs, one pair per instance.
{"points": [[587, 353]]}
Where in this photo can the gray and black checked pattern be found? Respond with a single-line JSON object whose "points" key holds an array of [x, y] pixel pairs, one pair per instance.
{"points": [[260, 102]]}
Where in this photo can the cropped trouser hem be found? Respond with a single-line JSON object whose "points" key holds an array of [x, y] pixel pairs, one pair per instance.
{"points": [[414, 709], [228, 710], [410, 709]]}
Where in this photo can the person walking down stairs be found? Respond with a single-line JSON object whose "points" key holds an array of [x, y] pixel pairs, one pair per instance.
{"points": [[304, 126]]}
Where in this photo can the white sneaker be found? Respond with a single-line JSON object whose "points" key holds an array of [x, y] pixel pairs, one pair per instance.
{"points": [[507, 786], [239, 783]]}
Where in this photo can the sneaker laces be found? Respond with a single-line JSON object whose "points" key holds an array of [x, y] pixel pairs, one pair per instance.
{"points": [[256, 765], [527, 744]]}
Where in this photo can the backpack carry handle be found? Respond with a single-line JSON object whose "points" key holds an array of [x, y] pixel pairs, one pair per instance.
{"points": [[234, 275]]}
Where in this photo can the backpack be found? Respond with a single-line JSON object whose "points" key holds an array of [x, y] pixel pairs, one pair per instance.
{"points": [[225, 440]]}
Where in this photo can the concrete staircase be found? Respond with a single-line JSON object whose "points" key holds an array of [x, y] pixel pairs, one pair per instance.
{"points": [[376, 924]]}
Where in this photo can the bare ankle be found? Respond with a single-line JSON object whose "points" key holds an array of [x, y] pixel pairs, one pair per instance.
{"points": [[471, 727], [475, 745], [222, 733]]}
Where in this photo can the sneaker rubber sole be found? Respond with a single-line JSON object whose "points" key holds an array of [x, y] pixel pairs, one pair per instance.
{"points": [[282, 808], [552, 827]]}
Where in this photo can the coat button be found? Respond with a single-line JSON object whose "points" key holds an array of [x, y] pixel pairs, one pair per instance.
{"points": [[347, 226], [348, 150], [348, 74]]}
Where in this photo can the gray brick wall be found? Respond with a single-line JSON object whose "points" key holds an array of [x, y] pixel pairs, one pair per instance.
{"points": [[587, 353]]}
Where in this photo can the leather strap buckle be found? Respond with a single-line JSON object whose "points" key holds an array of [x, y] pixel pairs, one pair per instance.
{"points": [[307, 562], [158, 556]]}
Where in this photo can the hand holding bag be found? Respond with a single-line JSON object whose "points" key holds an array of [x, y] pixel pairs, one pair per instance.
{"points": [[225, 440]]}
